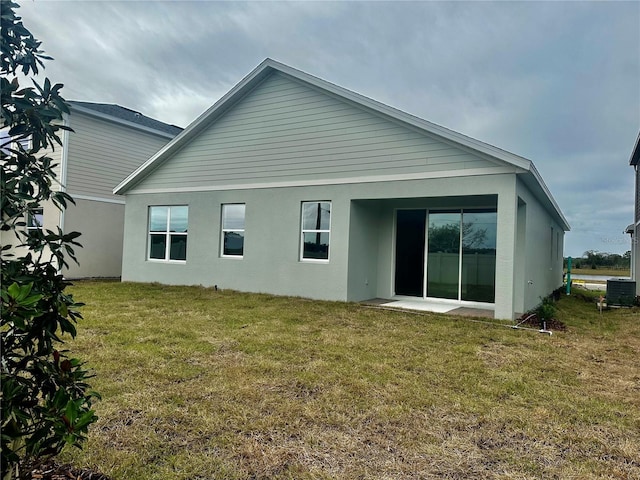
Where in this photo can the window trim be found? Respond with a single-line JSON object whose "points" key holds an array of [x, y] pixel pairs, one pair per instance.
{"points": [[224, 230], [167, 234], [301, 257]]}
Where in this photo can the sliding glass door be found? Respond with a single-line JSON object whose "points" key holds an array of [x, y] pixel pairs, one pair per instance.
{"points": [[460, 247], [410, 230], [443, 258], [478, 276]]}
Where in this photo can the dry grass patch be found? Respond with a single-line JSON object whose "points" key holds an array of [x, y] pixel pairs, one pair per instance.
{"points": [[199, 384]]}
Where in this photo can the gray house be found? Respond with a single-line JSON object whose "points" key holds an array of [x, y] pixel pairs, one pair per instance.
{"points": [[107, 143], [634, 228], [292, 185]]}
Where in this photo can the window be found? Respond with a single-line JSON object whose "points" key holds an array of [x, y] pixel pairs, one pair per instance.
{"points": [[25, 143], [316, 226], [233, 230], [168, 233], [35, 219], [7, 143]]}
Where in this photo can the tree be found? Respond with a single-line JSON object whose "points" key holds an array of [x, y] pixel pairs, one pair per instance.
{"points": [[46, 402], [446, 238], [594, 260]]}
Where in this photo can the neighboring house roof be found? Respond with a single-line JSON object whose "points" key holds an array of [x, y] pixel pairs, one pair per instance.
{"points": [[635, 155], [532, 178], [124, 115]]}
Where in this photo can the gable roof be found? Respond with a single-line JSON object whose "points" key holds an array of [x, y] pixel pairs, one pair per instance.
{"points": [[533, 180], [125, 116], [635, 155]]}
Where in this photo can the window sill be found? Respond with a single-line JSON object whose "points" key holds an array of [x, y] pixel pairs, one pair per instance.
{"points": [[158, 260]]}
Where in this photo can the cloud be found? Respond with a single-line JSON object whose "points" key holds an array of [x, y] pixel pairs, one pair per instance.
{"points": [[555, 82]]}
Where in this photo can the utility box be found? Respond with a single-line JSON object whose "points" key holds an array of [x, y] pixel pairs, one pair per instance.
{"points": [[621, 292]]}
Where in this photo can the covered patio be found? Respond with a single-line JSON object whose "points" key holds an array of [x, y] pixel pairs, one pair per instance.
{"points": [[428, 253], [434, 306]]}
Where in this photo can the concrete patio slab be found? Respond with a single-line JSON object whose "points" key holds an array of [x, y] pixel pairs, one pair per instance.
{"points": [[431, 306]]}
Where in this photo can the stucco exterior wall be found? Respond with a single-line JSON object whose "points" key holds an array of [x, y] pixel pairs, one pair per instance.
{"points": [[51, 214], [270, 262], [93, 159], [99, 154], [635, 257], [364, 231], [635, 238], [101, 225], [362, 237], [282, 137], [51, 221], [542, 253]]}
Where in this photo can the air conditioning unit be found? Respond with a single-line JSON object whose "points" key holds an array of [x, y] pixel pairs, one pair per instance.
{"points": [[621, 292]]}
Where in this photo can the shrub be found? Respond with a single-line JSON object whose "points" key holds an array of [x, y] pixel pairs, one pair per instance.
{"points": [[546, 310], [46, 402]]}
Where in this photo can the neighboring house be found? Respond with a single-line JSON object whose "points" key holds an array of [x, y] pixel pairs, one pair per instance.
{"points": [[108, 142], [634, 228], [292, 185]]}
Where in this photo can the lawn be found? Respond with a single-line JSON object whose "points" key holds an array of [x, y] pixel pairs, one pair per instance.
{"points": [[609, 272], [204, 384]]}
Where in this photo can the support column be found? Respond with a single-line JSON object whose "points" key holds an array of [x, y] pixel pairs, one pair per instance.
{"points": [[506, 252]]}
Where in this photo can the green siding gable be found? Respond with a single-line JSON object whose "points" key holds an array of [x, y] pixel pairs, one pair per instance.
{"points": [[285, 130], [102, 153]]}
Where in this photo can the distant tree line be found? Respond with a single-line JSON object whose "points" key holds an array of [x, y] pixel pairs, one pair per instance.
{"points": [[593, 259]]}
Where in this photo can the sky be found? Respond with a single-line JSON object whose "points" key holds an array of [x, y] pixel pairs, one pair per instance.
{"points": [[555, 82]]}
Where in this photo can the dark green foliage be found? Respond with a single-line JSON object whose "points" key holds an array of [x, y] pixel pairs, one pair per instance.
{"points": [[594, 260], [547, 309], [446, 238], [46, 402]]}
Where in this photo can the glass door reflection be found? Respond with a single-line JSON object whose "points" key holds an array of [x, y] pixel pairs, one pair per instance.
{"points": [[478, 278], [443, 260]]}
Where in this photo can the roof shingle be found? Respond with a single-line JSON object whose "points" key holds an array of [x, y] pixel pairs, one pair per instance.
{"points": [[128, 115]]}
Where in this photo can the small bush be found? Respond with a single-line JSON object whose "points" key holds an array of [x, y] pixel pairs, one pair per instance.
{"points": [[546, 310]]}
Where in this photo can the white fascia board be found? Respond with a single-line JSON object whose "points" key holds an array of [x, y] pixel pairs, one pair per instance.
{"points": [[92, 198], [547, 194], [119, 121]]}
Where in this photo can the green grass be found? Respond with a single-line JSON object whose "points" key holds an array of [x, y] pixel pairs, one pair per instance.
{"points": [[199, 384], [611, 272]]}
